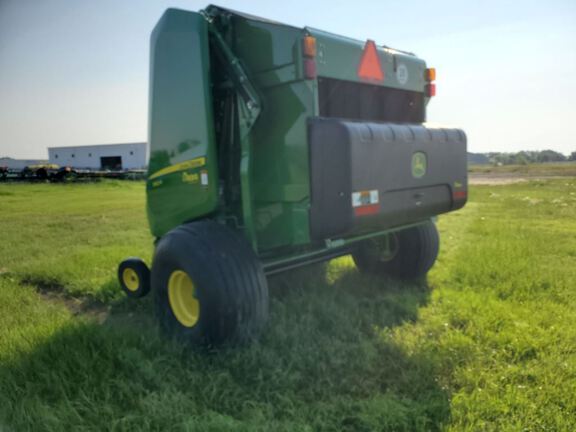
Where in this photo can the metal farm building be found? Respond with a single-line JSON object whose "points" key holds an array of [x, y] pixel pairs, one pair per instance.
{"points": [[114, 157], [18, 164]]}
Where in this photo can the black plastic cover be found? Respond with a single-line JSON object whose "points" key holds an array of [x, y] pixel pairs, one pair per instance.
{"points": [[370, 176]]}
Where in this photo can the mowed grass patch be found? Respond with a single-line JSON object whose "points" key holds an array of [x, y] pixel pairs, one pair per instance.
{"points": [[486, 343], [502, 319], [70, 236]]}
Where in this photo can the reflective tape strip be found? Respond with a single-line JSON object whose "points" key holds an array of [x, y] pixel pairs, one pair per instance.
{"points": [[363, 198], [367, 210]]}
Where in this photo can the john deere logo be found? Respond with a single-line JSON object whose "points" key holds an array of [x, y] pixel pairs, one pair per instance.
{"points": [[418, 164]]}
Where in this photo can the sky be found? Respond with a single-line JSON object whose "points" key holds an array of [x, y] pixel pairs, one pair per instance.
{"points": [[75, 72]]}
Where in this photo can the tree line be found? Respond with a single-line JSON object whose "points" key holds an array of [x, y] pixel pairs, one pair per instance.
{"points": [[520, 158]]}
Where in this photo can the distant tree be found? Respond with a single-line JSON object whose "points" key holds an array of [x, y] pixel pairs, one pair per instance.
{"points": [[504, 158], [531, 156], [524, 157], [478, 159], [521, 158], [551, 156]]}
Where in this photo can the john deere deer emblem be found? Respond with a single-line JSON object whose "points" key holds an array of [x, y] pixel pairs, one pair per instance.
{"points": [[418, 164]]}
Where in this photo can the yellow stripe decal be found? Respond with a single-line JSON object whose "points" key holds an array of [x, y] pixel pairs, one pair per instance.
{"points": [[193, 163]]}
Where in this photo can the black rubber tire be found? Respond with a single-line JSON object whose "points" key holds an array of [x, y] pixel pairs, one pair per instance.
{"points": [[229, 282], [142, 273], [416, 250]]}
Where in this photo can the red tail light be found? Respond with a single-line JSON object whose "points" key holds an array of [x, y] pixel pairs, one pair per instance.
{"points": [[309, 52], [460, 195], [430, 89], [309, 68]]}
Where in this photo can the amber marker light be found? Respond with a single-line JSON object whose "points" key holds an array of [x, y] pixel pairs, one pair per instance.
{"points": [[309, 46]]}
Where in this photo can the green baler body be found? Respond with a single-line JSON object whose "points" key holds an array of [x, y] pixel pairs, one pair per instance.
{"points": [[189, 176]]}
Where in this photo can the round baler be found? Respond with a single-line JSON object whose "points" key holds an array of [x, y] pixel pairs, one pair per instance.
{"points": [[273, 147]]}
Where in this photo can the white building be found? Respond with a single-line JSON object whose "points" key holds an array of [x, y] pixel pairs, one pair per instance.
{"points": [[17, 164], [101, 157]]}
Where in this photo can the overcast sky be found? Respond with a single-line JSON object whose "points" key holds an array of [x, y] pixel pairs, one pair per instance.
{"points": [[75, 72]]}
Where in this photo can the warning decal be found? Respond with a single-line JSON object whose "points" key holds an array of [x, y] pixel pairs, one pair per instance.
{"points": [[366, 202], [370, 68]]}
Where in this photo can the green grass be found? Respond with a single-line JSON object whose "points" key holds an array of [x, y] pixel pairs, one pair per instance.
{"points": [[488, 342]]}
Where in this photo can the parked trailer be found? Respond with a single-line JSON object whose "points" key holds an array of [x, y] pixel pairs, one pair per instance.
{"points": [[43, 172], [55, 173], [273, 147]]}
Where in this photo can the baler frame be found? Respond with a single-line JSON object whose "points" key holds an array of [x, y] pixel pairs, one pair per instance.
{"points": [[248, 113]]}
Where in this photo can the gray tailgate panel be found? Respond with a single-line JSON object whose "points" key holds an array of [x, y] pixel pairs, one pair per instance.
{"points": [[375, 161]]}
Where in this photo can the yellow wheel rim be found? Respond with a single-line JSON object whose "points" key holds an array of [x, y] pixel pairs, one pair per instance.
{"points": [[181, 295], [130, 279]]}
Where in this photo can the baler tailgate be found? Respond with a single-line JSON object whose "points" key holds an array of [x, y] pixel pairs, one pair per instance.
{"points": [[380, 175]]}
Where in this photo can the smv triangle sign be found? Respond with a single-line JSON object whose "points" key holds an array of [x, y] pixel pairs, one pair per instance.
{"points": [[370, 68]]}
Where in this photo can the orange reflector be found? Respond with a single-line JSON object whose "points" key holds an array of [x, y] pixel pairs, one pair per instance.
{"points": [[309, 46], [430, 74], [370, 68], [430, 90]]}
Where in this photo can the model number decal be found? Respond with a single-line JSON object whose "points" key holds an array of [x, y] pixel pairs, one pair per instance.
{"points": [[366, 203], [364, 198], [402, 74], [190, 177]]}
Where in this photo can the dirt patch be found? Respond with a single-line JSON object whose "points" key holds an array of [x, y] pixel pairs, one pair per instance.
{"points": [[505, 179], [79, 306], [53, 292], [494, 180]]}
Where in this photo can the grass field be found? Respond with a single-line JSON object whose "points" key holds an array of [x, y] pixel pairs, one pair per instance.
{"points": [[488, 342]]}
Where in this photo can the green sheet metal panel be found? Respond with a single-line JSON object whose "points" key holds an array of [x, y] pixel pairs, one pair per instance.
{"points": [[339, 57], [264, 45], [271, 54], [281, 171], [182, 173]]}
